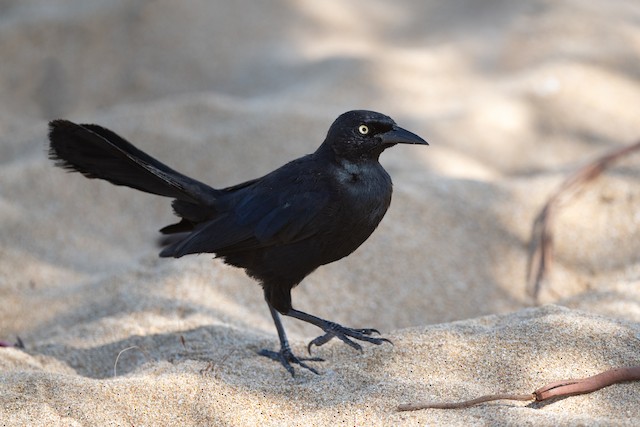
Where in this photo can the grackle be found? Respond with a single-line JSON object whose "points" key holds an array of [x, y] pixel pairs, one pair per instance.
{"points": [[279, 228]]}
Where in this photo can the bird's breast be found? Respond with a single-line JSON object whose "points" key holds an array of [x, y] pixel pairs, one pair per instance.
{"points": [[365, 195]]}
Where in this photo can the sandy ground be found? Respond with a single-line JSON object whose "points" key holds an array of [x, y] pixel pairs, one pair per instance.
{"points": [[512, 97]]}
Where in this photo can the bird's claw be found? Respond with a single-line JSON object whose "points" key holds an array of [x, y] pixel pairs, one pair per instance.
{"points": [[286, 357], [343, 333]]}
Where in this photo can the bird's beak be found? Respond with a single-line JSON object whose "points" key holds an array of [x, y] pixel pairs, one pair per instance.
{"points": [[398, 135]]}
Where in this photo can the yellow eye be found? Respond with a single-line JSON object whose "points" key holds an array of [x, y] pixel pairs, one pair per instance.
{"points": [[363, 129]]}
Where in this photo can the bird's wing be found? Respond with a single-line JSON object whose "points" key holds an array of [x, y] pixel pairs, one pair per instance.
{"points": [[291, 218], [258, 219]]}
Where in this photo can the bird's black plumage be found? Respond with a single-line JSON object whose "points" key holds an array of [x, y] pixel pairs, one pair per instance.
{"points": [[279, 228]]}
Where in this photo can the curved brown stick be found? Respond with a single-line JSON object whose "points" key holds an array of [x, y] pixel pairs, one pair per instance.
{"points": [[541, 244], [465, 403], [589, 384], [563, 388]]}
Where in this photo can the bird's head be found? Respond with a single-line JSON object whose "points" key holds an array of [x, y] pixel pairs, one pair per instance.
{"points": [[362, 134]]}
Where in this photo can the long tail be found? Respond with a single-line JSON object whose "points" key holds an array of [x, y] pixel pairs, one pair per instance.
{"points": [[97, 152]]}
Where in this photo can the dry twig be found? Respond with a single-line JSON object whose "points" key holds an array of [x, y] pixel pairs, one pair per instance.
{"points": [[115, 364], [563, 388], [541, 243]]}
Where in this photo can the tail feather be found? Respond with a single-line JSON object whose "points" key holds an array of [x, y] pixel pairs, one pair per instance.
{"points": [[97, 152]]}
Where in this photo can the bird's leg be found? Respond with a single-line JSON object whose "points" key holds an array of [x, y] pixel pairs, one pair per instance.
{"points": [[285, 356], [332, 330]]}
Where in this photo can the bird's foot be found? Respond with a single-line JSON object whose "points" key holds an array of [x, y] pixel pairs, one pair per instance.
{"points": [[286, 357], [344, 334]]}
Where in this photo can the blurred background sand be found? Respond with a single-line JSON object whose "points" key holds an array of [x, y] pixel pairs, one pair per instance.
{"points": [[512, 97]]}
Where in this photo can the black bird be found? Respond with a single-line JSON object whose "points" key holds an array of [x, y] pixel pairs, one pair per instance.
{"points": [[312, 211]]}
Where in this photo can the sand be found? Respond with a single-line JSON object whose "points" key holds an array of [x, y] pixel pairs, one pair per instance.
{"points": [[512, 97]]}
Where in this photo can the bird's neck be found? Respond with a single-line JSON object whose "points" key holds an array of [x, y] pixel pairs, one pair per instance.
{"points": [[325, 151]]}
